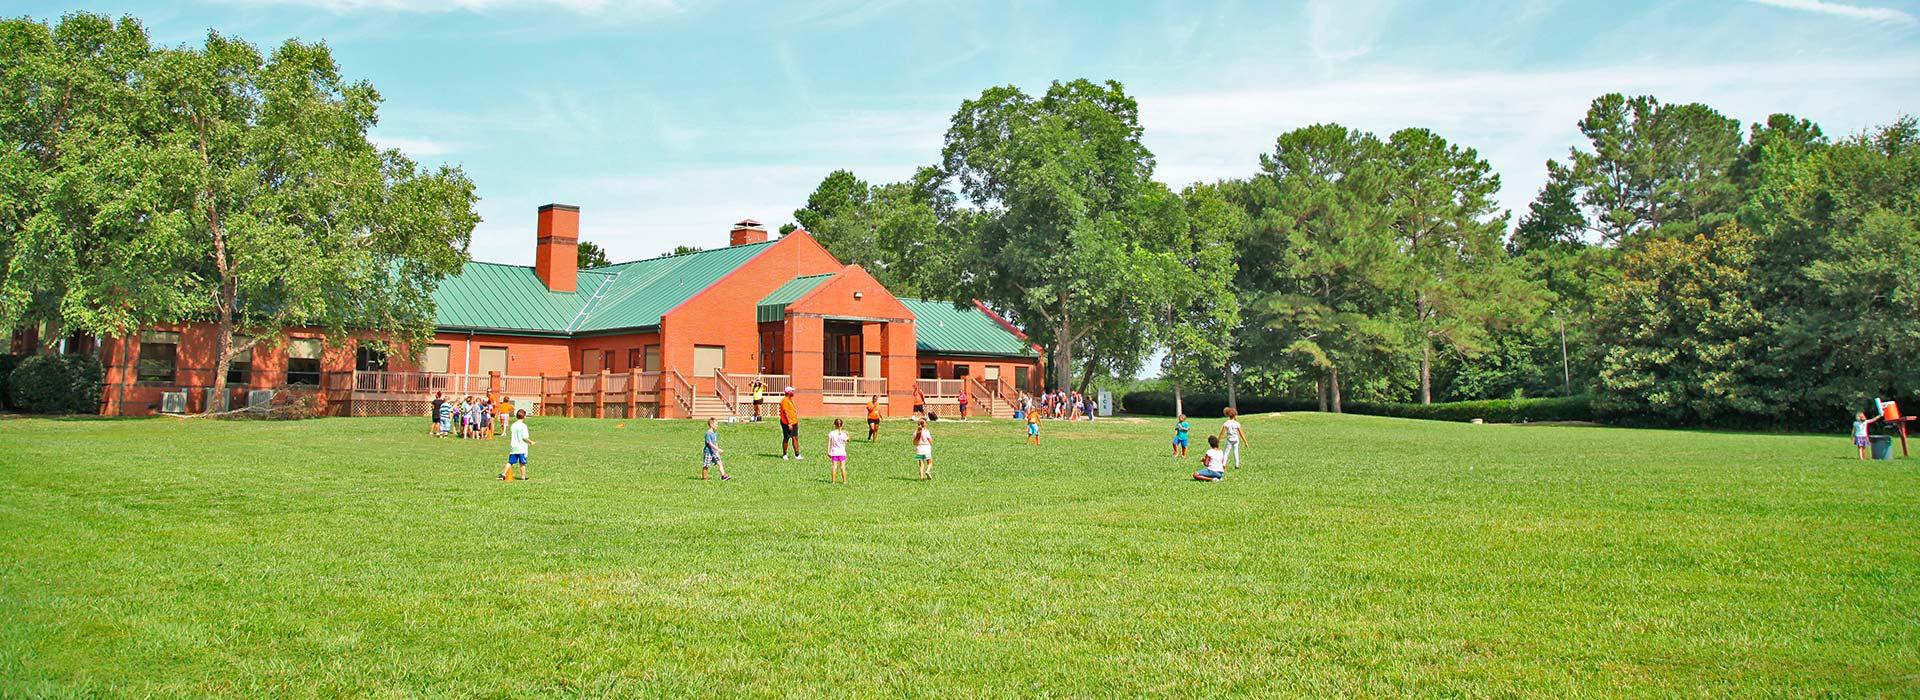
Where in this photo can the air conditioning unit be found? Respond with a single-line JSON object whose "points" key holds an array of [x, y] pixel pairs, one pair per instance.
{"points": [[173, 402], [260, 398], [214, 401]]}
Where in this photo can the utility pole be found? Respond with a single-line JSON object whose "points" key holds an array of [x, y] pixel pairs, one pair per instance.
{"points": [[1566, 370]]}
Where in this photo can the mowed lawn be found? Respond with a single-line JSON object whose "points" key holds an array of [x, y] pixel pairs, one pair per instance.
{"points": [[1351, 556]]}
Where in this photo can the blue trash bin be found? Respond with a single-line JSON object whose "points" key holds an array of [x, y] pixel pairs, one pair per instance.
{"points": [[1882, 446]]}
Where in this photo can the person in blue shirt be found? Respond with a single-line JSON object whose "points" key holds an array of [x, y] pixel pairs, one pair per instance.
{"points": [[1180, 430], [710, 453], [1860, 440]]}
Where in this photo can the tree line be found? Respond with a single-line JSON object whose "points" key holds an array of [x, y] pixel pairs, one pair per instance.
{"points": [[145, 185], [1677, 266]]}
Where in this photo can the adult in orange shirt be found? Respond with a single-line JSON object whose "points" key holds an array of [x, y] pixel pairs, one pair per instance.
{"points": [[789, 426], [873, 418]]}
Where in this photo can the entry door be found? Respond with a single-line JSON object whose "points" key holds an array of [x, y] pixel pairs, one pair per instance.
{"points": [[873, 365], [990, 376], [592, 361], [493, 360]]}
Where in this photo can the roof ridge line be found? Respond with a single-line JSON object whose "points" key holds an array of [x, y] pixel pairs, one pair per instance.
{"points": [[574, 325], [664, 256]]}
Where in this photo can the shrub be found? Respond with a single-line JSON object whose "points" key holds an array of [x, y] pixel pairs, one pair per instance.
{"points": [[7, 365], [57, 384], [1574, 408]]}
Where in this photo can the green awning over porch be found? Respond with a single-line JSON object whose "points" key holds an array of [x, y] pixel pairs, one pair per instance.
{"points": [[774, 306]]}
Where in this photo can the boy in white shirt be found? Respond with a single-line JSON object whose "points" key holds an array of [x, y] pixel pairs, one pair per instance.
{"points": [[1213, 463], [517, 442], [837, 452], [1234, 435]]}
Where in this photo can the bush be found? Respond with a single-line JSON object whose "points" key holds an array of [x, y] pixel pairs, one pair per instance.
{"points": [[57, 384], [7, 365], [1575, 408]]}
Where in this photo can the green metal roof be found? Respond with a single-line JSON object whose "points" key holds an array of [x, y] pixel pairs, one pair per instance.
{"points": [[643, 291], [511, 298], [774, 306], [942, 329], [490, 296]]}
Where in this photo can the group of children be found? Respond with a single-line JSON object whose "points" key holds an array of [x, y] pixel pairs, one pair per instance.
{"points": [[1058, 404], [837, 439], [1213, 464], [474, 418], [471, 417]]}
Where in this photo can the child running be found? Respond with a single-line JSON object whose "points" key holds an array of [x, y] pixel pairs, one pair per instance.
{"points": [[1180, 429], [1213, 463], [873, 418], [1033, 428], [923, 450], [1860, 439], [710, 452], [517, 442], [1235, 437], [837, 452]]}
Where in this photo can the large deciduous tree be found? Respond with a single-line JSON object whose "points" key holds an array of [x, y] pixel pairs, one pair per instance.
{"points": [[291, 215], [1684, 337], [1052, 237], [81, 181], [892, 230], [210, 183]]}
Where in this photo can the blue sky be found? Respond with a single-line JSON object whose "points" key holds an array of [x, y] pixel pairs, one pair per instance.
{"points": [[666, 120]]}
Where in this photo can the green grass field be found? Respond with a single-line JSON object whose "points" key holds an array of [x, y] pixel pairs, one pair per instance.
{"points": [[1351, 556]]}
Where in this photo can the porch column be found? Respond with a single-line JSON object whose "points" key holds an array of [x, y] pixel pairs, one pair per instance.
{"points": [[902, 362], [806, 361]]}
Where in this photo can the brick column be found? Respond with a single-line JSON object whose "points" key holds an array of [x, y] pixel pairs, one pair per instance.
{"points": [[805, 360]]}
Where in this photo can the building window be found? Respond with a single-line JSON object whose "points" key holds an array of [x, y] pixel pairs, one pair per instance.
{"points": [[961, 371], [652, 362], [708, 359], [493, 359], [368, 359], [303, 361], [929, 370], [159, 355], [435, 359], [1020, 379], [240, 368]]}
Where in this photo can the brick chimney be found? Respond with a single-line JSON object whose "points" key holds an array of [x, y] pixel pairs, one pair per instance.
{"points": [[747, 231], [556, 258]]}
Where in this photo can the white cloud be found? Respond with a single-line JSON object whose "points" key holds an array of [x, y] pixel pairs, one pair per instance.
{"points": [[1342, 30], [579, 6], [1872, 14], [415, 147]]}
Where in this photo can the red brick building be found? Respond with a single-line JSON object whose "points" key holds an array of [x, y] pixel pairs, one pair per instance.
{"points": [[673, 336]]}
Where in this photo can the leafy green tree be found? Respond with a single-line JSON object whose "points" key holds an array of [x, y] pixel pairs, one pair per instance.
{"points": [[1836, 271], [81, 180], [1441, 209], [892, 230], [1321, 259], [1202, 308], [840, 191], [1053, 183], [1653, 164], [592, 255], [1685, 340], [684, 249], [288, 214]]}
